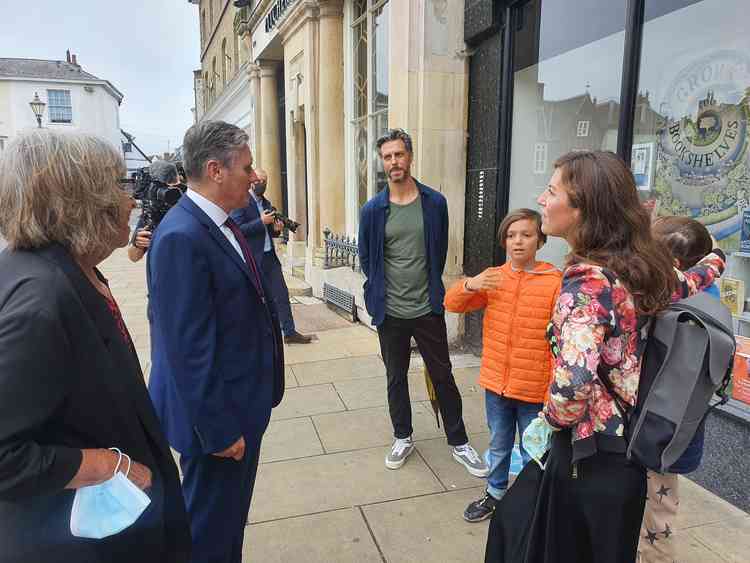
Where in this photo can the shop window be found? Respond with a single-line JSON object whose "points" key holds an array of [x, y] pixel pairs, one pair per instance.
{"points": [[691, 135], [59, 106], [540, 158], [583, 128], [567, 74], [226, 64], [369, 108]]}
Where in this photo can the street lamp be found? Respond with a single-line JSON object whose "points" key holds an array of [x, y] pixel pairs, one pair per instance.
{"points": [[37, 106]]}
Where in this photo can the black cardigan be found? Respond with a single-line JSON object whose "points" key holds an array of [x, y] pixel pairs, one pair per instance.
{"points": [[69, 381]]}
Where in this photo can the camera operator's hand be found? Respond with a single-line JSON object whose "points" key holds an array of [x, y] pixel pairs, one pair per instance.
{"points": [[267, 217], [143, 239], [278, 226]]}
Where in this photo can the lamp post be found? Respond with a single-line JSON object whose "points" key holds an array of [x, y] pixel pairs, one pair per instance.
{"points": [[37, 106]]}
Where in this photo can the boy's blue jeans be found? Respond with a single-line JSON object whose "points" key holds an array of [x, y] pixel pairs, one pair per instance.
{"points": [[503, 417]]}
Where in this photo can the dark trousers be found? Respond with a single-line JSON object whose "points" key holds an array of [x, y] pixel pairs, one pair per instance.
{"points": [[217, 494], [280, 292], [432, 340]]}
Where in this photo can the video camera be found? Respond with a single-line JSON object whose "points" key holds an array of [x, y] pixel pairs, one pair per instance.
{"points": [[157, 197], [286, 221]]}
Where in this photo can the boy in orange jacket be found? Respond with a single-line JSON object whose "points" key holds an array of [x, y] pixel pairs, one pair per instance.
{"points": [[516, 371]]}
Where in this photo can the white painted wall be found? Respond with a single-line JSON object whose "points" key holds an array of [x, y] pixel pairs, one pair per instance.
{"points": [[96, 112]]}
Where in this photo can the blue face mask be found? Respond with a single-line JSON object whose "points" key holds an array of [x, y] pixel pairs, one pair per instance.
{"points": [[537, 439], [103, 510]]}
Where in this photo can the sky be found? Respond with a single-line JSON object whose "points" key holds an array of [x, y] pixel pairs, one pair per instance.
{"points": [[147, 49]]}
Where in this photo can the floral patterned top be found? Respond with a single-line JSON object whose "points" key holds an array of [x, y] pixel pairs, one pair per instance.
{"points": [[594, 325]]}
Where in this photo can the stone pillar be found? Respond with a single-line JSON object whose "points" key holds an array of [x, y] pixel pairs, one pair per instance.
{"points": [[331, 116], [270, 151], [254, 74]]}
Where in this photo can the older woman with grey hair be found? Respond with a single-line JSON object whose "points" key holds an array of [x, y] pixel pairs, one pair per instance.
{"points": [[71, 386]]}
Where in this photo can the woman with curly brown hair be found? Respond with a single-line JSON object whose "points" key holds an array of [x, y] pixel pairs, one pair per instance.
{"points": [[590, 500]]}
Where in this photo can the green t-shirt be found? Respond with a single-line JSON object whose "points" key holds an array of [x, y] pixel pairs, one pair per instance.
{"points": [[405, 259]]}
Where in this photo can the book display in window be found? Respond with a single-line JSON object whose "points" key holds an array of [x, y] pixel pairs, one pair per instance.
{"points": [[733, 295]]}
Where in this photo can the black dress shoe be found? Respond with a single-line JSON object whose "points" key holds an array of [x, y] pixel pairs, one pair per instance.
{"points": [[297, 338]]}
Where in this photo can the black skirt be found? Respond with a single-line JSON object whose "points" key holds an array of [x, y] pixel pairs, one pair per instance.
{"points": [[590, 515]]}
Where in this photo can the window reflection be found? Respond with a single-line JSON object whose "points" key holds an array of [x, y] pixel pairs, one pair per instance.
{"points": [[566, 92], [690, 149]]}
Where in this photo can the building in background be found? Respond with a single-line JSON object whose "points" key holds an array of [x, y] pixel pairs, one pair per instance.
{"points": [[222, 83], [326, 78], [75, 100]]}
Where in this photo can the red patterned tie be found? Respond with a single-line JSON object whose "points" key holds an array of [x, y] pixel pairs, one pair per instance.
{"points": [[247, 253]]}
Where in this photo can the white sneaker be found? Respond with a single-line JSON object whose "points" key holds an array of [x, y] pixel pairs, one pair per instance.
{"points": [[469, 458], [400, 450]]}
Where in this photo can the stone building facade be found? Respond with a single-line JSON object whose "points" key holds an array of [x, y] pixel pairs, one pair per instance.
{"points": [[327, 77]]}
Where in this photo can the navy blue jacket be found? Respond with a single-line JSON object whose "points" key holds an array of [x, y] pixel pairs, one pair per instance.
{"points": [[253, 228], [216, 351], [372, 241]]}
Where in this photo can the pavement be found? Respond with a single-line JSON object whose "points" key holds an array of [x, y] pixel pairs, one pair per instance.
{"points": [[323, 493]]}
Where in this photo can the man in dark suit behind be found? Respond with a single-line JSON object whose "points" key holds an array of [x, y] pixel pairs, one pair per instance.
{"points": [[217, 356], [257, 223]]}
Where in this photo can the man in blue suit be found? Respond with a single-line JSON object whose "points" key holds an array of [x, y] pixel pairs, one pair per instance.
{"points": [[217, 355], [257, 223]]}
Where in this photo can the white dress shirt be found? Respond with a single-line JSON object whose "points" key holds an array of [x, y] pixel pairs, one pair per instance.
{"points": [[218, 216]]}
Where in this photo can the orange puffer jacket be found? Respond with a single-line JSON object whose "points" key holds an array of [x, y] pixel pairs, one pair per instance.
{"points": [[516, 357]]}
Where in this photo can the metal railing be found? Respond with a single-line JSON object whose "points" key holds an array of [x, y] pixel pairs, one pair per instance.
{"points": [[341, 251]]}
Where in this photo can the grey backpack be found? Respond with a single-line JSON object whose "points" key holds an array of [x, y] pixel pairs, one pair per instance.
{"points": [[688, 359]]}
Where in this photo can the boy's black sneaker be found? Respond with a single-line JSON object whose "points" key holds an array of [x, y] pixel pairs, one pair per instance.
{"points": [[480, 509]]}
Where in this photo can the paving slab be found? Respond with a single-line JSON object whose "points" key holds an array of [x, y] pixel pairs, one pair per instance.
{"points": [[306, 401], [692, 550], [428, 528], [290, 439], [729, 539], [367, 428], [341, 536], [362, 346], [315, 318], [438, 456], [371, 392], [315, 351], [340, 480], [289, 378], [350, 332], [699, 507], [342, 369]]}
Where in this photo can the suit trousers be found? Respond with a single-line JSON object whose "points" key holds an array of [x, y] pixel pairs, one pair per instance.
{"points": [[280, 292], [217, 493], [432, 340]]}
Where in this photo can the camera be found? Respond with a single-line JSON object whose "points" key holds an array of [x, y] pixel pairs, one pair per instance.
{"points": [[288, 223], [157, 197]]}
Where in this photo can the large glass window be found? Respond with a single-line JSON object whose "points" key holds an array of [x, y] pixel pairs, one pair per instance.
{"points": [[60, 106], [369, 113], [567, 73], [691, 137]]}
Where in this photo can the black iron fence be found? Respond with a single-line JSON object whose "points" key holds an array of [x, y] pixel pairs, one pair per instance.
{"points": [[341, 250]]}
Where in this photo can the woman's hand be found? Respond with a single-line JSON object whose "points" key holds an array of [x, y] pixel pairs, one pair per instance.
{"points": [[488, 280], [98, 465]]}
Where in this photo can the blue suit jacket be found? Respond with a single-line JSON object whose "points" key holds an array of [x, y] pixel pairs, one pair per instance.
{"points": [[253, 228], [372, 246], [216, 350]]}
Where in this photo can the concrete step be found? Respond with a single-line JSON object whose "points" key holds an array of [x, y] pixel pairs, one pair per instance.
{"points": [[298, 287]]}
